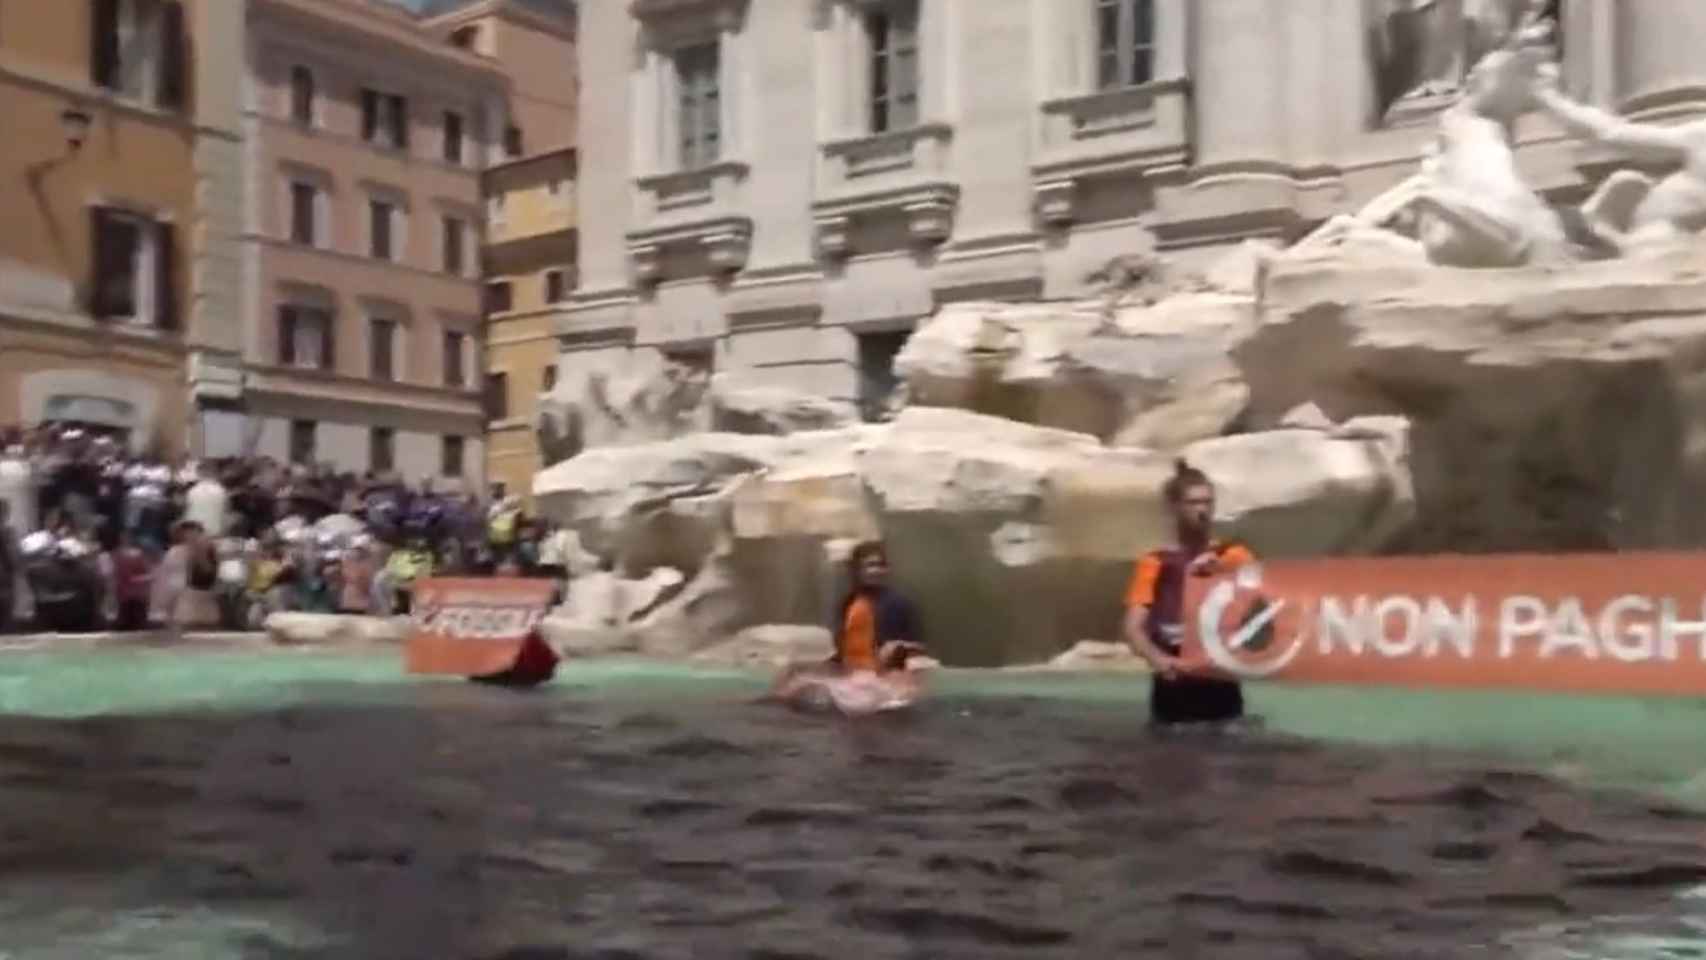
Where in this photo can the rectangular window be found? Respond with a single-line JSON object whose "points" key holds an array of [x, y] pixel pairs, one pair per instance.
{"points": [[452, 137], [384, 119], [305, 337], [892, 31], [132, 268], [382, 450], [455, 363], [699, 104], [512, 141], [450, 457], [548, 379], [500, 297], [382, 348], [555, 289], [303, 442], [137, 49], [304, 203], [454, 256], [1125, 43], [497, 396], [381, 218], [302, 96]]}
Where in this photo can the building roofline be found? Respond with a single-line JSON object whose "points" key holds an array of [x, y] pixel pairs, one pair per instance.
{"points": [[384, 23], [562, 27], [516, 163]]}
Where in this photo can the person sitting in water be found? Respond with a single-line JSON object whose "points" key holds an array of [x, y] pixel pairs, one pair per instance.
{"points": [[875, 632], [1155, 605], [875, 628]]}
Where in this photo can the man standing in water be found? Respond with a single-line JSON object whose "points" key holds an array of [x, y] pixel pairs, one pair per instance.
{"points": [[1155, 605]]}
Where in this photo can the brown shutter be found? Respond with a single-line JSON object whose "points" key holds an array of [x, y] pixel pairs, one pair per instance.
{"points": [[369, 114], [173, 63], [286, 335], [103, 253], [165, 274], [400, 122], [329, 343], [103, 43]]}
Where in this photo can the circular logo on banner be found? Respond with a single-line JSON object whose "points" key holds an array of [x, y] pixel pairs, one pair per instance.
{"points": [[1236, 622]]}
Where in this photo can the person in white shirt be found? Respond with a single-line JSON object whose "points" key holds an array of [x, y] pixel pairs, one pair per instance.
{"points": [[207, 502], [18, 487]]}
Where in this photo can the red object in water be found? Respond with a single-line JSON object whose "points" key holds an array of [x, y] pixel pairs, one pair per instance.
{"points": [[535, 664]]}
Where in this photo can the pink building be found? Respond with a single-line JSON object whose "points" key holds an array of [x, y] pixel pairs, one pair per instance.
{"points": [[365, 137]]}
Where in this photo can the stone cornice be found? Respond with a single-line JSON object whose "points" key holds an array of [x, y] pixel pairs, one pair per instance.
{"points": [[654, 10]]}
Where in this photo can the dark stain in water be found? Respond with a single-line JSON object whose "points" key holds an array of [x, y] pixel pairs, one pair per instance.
{"points": [[487, 825]]}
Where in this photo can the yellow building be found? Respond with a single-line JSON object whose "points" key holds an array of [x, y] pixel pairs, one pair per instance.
{"points": [[530, 252], [107, 124], [530, 271]]}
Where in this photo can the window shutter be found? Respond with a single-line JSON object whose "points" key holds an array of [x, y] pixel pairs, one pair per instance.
{"points": [[174, 77], [286, 335], [103, 43], [369, 114], [103, 262], [328, 342], [400, 122], [165, 271]]}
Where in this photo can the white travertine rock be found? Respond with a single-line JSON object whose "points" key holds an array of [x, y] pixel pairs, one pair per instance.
{"points": [[643, 399], [331, 629], [1551, 408], [1014, 540], [1087, 656], [646, 399], [1305, 492], [653, 504], [1306, 416], [738, 407], [771, 645], [1154, 375]]}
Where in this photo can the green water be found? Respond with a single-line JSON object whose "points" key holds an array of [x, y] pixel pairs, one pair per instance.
{"points": [[1643, 743], [1653, 745]]}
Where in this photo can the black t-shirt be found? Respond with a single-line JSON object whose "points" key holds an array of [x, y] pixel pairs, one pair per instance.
{"points": [[204, 568]]}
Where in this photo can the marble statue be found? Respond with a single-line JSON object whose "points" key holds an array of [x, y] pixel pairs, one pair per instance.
{"points": [[1468, 205], [1631, 210]]}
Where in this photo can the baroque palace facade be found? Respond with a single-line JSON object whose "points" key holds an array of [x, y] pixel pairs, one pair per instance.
{"points": [[781, 189]]}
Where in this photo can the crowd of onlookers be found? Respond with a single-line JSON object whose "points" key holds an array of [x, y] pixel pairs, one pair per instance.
{"points": [[94, 536]]}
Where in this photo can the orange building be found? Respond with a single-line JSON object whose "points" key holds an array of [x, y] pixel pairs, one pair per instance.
{"points": [[367, 135], [118, 114], [531, 237]]}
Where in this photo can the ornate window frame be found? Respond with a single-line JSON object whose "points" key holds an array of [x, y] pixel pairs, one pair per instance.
{"points": [[686, 208], [1082, 130], [907, 170]]}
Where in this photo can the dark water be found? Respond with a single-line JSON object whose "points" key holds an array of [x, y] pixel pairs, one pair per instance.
{"points": [[482, 824]]}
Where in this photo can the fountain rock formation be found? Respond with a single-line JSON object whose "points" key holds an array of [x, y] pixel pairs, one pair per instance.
{"points": [[1443, 371], [1017, 539]]}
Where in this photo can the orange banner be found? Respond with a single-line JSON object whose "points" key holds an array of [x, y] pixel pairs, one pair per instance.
{"points": [[1600, 623], [471, 628]]}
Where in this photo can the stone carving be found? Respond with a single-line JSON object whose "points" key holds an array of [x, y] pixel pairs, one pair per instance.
{"points": [[1016, 540], [1468, 205], [1420, 51], [1632, 211]]}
